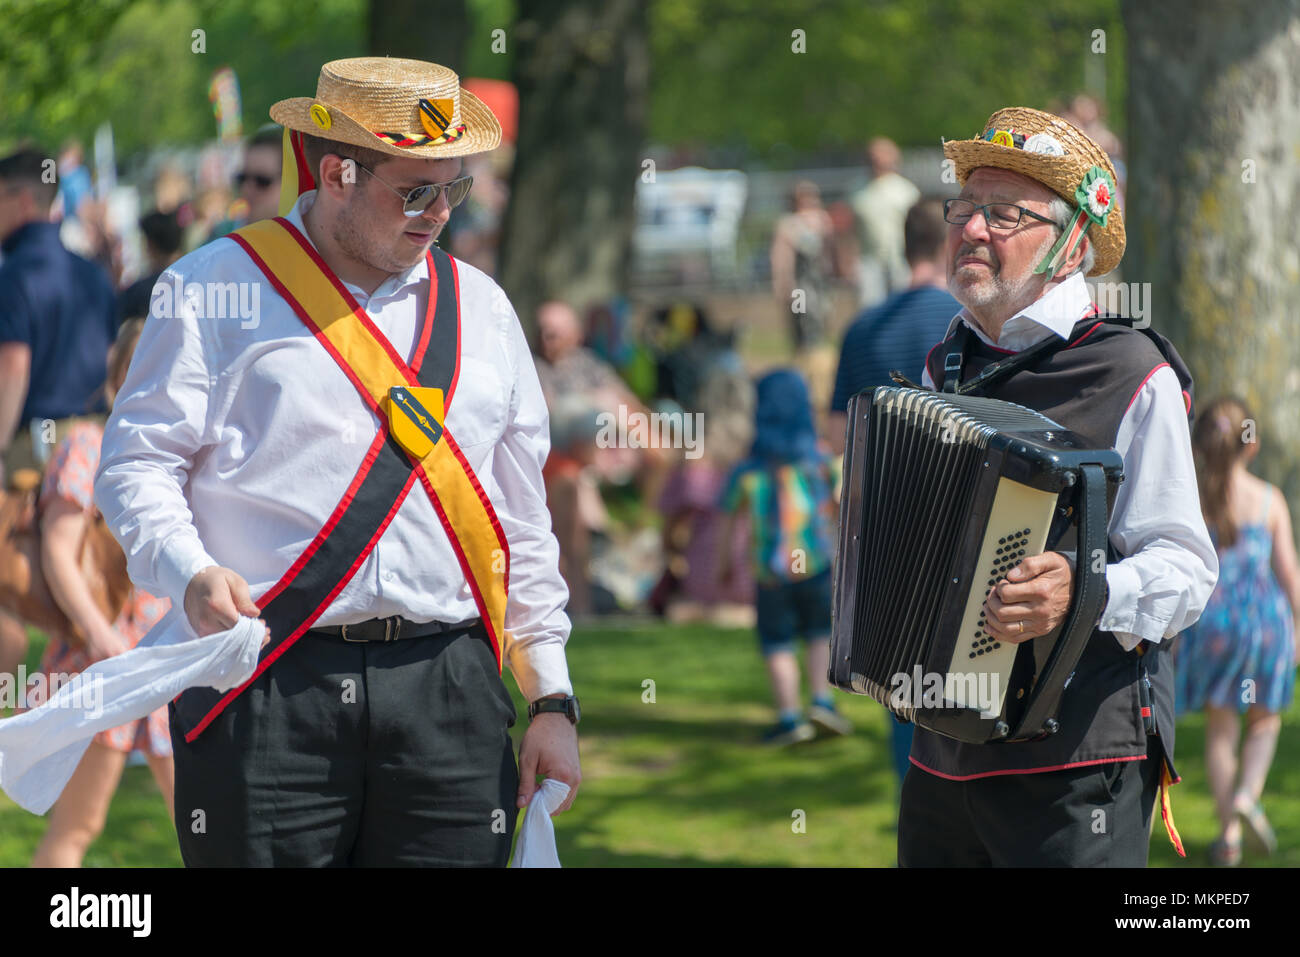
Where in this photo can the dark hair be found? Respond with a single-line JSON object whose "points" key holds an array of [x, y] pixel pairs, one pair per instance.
{"points": [[1218, 438], [29, 167], [924, 231], [162, 231], [269, 135], [315, 148]]}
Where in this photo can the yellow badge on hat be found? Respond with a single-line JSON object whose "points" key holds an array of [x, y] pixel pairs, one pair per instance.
{"points": [[415, 418], [435, 115], [321, 116]]}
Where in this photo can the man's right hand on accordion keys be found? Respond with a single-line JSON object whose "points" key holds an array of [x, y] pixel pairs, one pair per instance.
{"points": [[1032, 600]]}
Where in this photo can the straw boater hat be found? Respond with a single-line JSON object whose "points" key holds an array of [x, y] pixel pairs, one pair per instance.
{"points": [[1063, 158], [399, 107]]}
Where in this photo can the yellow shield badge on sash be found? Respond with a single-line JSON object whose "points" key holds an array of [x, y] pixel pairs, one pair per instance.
{"points": [[414, 418]]}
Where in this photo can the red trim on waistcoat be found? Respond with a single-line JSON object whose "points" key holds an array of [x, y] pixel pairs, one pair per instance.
{"points": [[1163, 365], [928, 356], [1054, 767], [1085, 335], [302, 629]]}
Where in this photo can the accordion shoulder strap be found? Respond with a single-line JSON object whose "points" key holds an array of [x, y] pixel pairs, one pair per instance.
{"points": [[1005, 368], [955, 359]]}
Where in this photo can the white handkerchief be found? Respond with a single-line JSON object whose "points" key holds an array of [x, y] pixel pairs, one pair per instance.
{"points": [[536, 844], [40, 749]]}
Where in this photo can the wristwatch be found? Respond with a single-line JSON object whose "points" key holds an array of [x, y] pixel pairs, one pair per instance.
{"points": [[566, 706]]}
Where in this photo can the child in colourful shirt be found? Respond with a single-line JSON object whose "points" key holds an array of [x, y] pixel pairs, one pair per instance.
{"points": [[786, 486]]}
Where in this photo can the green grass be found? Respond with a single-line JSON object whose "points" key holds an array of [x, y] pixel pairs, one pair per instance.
{"points": [[682, 781]]}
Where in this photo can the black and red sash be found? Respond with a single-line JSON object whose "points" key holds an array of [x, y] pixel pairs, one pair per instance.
{"points": [[387, 472]]}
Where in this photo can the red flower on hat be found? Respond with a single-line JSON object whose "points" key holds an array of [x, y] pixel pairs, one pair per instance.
{"points": [[1094, 194]]}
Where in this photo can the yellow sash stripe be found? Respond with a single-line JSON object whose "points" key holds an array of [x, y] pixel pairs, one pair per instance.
{"points": [[1167, 809], [473, 524]]}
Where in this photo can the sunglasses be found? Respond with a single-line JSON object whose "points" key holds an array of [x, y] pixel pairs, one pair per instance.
{"points": [[422, 197], [260, 180]]}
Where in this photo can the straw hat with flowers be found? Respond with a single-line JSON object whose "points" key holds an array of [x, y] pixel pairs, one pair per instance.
{"points": [[1063, 158], [400, 107]]}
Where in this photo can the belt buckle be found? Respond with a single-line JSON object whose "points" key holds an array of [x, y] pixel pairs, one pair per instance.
{"points": [[343, 633]]}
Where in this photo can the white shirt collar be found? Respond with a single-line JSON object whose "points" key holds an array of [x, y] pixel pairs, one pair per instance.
{"points": [[1065, 304], [391, 286]]}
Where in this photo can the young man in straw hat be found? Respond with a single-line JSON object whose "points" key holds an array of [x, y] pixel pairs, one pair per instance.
{"points": [[1035, 214], [357, 461]]}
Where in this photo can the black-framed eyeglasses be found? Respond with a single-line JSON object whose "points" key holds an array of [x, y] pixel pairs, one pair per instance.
{"points": [[997, 215], [422, 197]]}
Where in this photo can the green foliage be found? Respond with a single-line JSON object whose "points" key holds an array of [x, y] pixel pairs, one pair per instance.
{"points": [[486, 16], [725, 73], [66, 66]]}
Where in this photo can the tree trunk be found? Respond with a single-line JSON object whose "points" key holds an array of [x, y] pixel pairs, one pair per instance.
{"points": [[582, 71], [420, 30], [1214, 202]]}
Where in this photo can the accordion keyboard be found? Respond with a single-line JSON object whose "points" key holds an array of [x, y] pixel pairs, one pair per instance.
{"points": [[980, 669]]}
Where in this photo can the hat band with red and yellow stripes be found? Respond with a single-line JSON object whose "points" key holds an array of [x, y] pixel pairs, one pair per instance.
{"points": [[407, 142]]}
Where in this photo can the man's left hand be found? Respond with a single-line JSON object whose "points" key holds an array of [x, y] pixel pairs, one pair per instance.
{"points": [[1032, 600], [549, 748]]}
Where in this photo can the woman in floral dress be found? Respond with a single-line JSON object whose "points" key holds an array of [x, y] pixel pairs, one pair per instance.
{"points": [[1240, 657], [65, 507]]}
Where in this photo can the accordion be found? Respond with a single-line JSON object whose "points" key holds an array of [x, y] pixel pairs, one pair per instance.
{"points": [[942, 496]]}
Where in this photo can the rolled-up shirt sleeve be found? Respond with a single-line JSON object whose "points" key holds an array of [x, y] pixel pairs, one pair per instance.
{"points": [[1163, 584], [536, 625], [157, 427]]}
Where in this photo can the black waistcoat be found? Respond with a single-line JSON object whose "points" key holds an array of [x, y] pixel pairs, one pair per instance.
{"points": [[1086, 387]]}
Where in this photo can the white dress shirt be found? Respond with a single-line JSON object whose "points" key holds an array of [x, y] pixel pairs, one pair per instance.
{"points": [[1171, 569], [232, 446]]}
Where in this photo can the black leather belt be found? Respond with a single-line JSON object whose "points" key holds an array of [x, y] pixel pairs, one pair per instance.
{"points": [[391, 629]]}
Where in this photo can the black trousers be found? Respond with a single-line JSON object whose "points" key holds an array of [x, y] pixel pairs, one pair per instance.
{"points": [[1095, 816], [349, 754]]}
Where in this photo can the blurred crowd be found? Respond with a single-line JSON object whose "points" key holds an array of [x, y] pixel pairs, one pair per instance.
{"points": [[679, 484]]}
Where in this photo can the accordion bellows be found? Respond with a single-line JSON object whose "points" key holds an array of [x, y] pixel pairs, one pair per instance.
{"points": [[943, 495]]}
